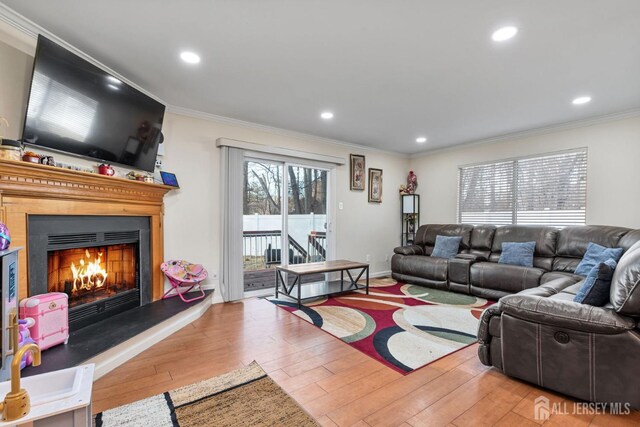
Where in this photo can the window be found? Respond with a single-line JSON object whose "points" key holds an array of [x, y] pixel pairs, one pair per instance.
{"points": [[544, 190]]}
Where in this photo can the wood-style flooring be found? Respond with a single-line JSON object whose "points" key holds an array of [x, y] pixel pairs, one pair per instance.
{"points": [[334, 382]]}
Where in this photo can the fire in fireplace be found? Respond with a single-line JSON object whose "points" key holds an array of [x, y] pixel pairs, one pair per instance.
{"points": [[102, 262], [94, 273]]}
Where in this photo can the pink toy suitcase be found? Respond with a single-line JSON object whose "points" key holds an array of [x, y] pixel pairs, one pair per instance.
{"points": [[51, 315]]}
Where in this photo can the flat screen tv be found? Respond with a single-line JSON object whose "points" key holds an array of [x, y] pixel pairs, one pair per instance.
{"points": [[76, 108]]}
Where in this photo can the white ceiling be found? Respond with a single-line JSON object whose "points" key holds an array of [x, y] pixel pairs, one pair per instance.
{"points": [[390, 70]]}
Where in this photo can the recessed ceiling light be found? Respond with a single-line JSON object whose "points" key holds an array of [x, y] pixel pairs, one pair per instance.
{"points": [[114, 80], [190, 57], [421, 140], [504, 33], [114, 87], [581, 100], [327, 115]]}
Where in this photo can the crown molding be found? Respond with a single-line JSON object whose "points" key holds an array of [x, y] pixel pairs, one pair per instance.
{"points": [[276, 130], [574, 124], [31, 30]]}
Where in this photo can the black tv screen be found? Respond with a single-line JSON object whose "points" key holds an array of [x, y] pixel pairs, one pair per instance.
{"points": [[77, 108]]}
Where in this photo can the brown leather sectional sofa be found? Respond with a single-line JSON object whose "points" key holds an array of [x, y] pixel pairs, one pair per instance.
{"points": [[536, 332]]}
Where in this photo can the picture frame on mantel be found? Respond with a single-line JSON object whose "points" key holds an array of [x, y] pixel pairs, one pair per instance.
{"points": [[375, 185], [357, 172]]}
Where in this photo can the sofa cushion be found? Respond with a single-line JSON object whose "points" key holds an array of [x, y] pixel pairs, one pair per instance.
{"points": [[516, 253], [573, 241], [554, 275], [426, 235], [549, 288], [481, 240], [595, 255], [625, 285], [446, 246], [409, 250], [504, 277], [426, 267], [545, 238], [628, 240], [597, 285]]}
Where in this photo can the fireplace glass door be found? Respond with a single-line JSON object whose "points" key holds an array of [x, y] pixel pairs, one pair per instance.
{"points": [[94, 273]]}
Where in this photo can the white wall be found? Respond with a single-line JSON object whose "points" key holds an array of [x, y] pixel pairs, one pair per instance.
{"points": [[15, 66], [192, 213], [613, 175]]}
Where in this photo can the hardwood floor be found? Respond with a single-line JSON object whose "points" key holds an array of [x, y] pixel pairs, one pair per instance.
{"points": [[335, 383]]}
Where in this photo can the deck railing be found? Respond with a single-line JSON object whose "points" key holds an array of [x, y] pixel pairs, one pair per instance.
{"points": [[262, 249], [317, 246]]}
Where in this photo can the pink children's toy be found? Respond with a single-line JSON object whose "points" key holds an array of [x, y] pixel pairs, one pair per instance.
{"points": [[50, 313], [184, 276], [24, 337]]}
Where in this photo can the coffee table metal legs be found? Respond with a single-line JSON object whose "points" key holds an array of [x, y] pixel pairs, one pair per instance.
{"points": [[367, 285], [288, 290]]}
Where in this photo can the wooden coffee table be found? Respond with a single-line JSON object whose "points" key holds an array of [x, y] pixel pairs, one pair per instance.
{"points": [[323, 288]]}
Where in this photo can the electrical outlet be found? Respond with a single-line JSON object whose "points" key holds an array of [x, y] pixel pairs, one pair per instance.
{"points": [[386, 258], [158, 163], [340, 205], [368, 258]]}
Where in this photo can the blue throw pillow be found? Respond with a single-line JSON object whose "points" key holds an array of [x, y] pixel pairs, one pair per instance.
{"points": [[446, 246], [595, 255], [515, 253], [596, 286]]}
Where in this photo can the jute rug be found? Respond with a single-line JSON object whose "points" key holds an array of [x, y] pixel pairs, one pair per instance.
{"points": [[244, 397], [403, 326]]}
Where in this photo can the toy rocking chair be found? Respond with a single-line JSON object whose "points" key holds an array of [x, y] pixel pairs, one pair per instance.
{"points": [[186, 276]]}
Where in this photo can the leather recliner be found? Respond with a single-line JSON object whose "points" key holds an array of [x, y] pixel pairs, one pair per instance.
{"points": [[536, 332]]}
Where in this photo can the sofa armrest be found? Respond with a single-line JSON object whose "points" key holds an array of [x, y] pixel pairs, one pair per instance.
{"points": [[471, 257], [566, 314], [409, 250], [489, 316], [484, 334], [460, 266]]}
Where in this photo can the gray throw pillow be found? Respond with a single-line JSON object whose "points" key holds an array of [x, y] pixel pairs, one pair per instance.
{"points": [[515, 253], [446, 246]]}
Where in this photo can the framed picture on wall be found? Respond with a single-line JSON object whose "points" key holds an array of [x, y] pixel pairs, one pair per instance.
{"points": [[357, 172], [375, 185]]}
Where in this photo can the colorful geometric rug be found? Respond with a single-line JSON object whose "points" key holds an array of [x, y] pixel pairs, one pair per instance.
{"points": [[403, 326], [244, 397]]}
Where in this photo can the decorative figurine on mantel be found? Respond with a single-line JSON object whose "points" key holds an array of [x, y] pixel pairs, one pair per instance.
{"points": [[412, 184]]}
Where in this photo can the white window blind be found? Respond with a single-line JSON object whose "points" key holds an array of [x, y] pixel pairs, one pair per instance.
{"points": [[545, 190], [486, 194]]}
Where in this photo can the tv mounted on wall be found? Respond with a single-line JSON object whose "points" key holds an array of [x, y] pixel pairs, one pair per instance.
{"points": [[77, 108]]}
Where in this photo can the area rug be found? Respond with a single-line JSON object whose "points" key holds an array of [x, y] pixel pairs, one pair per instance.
{"points": [[403, 326], [244, 397]]}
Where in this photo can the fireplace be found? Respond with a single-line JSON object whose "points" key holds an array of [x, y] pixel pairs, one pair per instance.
{"points": [[93, 273], [102, 263]]}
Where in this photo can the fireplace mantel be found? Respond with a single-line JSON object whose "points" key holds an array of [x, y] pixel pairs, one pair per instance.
{"points": [[33, 189]]}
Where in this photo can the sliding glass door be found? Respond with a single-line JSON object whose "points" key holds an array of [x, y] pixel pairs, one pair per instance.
{"points": [[307, 213], [281, 234]]}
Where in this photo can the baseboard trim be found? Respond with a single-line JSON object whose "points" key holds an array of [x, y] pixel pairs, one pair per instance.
{"points": [[118, 355], [380, 274]]}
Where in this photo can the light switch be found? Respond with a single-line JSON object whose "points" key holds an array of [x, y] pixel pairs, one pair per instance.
{"points": [[340, 205]]}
